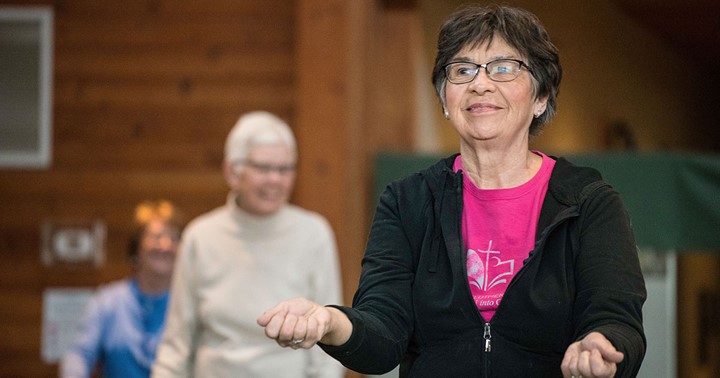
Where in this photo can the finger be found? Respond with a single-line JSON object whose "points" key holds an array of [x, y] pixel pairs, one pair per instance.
{"points": [[569, 364], [287, 330], [264, 319], [599, 367], [610, 354], [300, 330], [583, 364], [596, 340], [273, 326]]}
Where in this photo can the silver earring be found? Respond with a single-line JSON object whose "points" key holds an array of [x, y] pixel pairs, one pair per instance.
{"points": [[447, 115]]}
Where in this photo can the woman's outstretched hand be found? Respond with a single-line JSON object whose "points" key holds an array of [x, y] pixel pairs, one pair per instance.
{"points": [[300, 323], [593, 356]]}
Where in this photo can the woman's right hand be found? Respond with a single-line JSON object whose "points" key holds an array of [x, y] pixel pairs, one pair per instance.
{"points": [[300, 323]]}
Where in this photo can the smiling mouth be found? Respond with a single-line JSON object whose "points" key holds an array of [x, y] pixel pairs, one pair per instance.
{"points": [[481, 107], [163, 255]]}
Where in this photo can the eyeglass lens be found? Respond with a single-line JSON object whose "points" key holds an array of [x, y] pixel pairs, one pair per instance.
{"points": [[266, 169], [497, 70]]}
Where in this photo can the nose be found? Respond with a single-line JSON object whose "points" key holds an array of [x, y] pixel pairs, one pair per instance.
{"points": [[481, 82], [167, 242], [274, 175]]}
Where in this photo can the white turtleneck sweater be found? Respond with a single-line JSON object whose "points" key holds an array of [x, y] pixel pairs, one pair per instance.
{"points": [[232, 266]]}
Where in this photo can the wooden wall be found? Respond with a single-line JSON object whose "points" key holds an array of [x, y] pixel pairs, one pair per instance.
{"points": [[145, 92], [144, 95]]}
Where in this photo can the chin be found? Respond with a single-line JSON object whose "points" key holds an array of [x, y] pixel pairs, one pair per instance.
{"points": [[161, 267], [163, 271], [268, 208]]}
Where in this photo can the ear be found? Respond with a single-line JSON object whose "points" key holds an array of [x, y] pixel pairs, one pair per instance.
{"points": [[540, 106], [229, 173]]}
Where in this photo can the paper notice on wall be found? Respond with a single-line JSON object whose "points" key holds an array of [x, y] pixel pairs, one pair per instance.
{"points": [[63, 308]]}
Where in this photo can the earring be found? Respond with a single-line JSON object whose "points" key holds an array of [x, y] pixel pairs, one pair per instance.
{"points": [[447, 115]]}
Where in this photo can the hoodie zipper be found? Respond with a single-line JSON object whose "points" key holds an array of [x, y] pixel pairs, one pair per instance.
{"points": [[488, 348], [488, 338]]}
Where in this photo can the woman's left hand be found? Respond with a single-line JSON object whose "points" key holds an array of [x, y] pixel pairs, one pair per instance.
{"points": [[592, 357]]}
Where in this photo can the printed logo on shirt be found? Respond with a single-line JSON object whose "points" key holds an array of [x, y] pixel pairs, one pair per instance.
{"points": [[488, 275], [485, 270]]}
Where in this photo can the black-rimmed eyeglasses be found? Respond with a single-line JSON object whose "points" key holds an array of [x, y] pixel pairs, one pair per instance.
{"points": [[497, 70]]}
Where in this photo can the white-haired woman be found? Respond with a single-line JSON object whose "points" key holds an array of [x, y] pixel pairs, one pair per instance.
{"points": [[239, 259]]}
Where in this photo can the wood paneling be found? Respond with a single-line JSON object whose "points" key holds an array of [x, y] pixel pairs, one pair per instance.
{"points": [[145, 92], [144, 95], [346, 110]]}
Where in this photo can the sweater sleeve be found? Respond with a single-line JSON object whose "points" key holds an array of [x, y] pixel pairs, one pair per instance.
{"points": [[80, 359], [176, 352], [610, 286], [327, 289]]}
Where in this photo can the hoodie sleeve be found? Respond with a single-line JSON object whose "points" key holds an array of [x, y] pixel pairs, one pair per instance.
{"points": [[611, 287]]}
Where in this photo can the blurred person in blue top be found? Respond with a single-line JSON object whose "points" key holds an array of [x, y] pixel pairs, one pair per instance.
{"points": [[122, 324]]}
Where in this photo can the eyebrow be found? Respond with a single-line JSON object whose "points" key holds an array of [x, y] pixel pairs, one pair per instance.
{"points": [[468, 60]]}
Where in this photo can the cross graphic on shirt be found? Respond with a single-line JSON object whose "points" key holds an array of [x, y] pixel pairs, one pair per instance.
{"points": [[499, 263]]}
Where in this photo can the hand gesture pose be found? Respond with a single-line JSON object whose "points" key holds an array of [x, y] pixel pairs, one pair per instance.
{"points": [[593, 356], [300, 323]]}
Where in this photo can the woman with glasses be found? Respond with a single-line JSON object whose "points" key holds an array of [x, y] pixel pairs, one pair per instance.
{"points": [[123, 323], [499, 261], [239, 259]]}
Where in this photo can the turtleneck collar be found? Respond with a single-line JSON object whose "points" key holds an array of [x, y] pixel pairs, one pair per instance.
{"points": [[255, 224]]}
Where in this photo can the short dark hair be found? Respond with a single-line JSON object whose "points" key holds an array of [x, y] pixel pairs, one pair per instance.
{"points": [[475, 25]]}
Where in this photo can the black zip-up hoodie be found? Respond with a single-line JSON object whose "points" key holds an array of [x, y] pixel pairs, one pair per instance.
{"points": [[413, 306]]}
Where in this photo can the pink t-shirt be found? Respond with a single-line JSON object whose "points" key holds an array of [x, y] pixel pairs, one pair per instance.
{"points": [[498, 227]]}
